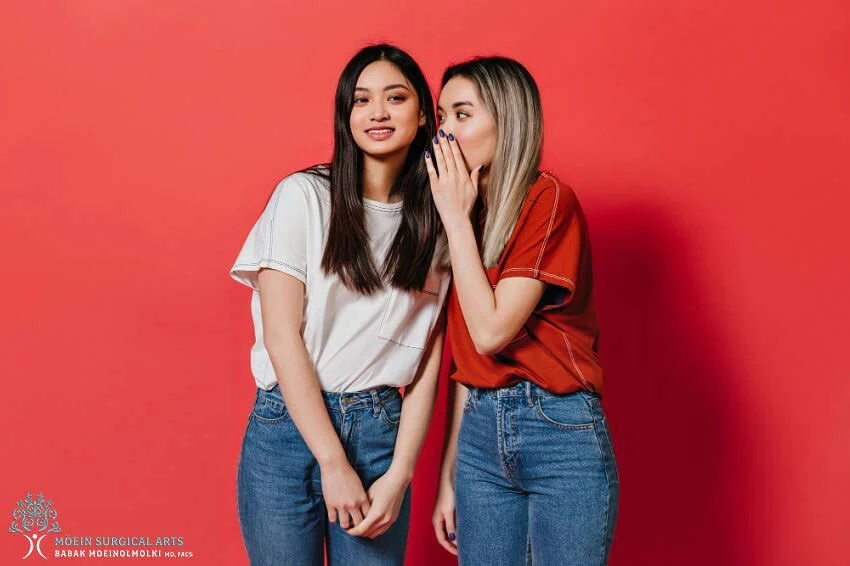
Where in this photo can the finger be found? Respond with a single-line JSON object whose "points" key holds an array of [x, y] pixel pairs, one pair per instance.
{"points": [[476, 174], [448, 156], [344, 519], [440, 532], [450, 527], [365, 525], [439, 158], [432, 172], [356, 515], [331, 515], [457, 154], [379, 530]]}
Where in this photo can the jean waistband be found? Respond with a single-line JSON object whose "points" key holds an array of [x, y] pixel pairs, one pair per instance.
{"points": [[527, 389], [368, 398]]}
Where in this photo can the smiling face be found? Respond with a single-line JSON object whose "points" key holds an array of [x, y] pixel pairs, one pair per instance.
{"points": [[385, 115], [462, 112]]}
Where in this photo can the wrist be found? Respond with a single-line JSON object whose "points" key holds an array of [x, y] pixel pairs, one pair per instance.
{"points": [[403, 472], [456, 224], [447, 474], [332, 459]]}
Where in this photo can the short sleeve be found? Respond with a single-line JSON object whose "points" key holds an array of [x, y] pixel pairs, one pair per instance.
{"points": [[550, 245], [278, 239]]}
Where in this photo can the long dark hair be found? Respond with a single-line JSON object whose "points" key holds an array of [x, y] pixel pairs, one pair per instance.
{"points": [[347, 251]]}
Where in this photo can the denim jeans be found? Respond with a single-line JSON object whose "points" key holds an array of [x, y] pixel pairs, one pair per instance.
{"points": [[282, 513], [535, 479]]}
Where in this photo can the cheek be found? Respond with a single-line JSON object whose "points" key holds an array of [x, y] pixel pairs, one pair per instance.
{"points": [[408, 116], [470, 139]]}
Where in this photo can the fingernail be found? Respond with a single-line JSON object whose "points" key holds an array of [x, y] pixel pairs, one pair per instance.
{"points": [[427, 155], [452, 536], [451, 137], [435, 139], [442, 134]]}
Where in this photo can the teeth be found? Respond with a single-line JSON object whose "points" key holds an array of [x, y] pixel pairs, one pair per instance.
{"points": [[380, 131]]}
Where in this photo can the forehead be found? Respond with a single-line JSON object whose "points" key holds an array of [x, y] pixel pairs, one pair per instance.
{"points": [[379, 74], [458, 89]]}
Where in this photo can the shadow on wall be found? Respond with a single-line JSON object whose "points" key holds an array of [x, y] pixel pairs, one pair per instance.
{"points": [[678, 422], [677, 415]]}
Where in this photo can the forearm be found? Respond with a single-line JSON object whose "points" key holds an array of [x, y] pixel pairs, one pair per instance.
{"points": [[417, 408], [454, 415], [302, 395], [475, 294]]}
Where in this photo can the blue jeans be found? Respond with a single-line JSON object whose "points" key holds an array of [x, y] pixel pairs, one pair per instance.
{"points": [[282, 513], [535, 479]]}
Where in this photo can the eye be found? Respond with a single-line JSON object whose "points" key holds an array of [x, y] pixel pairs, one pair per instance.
{"points": [[440, 118], [360, 100], [462, 115], [397, 98]]}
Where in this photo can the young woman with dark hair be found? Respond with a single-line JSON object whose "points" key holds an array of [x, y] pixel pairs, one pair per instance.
{"points": [[346, 306]]}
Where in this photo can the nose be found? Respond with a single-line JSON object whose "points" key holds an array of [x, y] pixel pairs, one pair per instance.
{"points": [[380, 113]]}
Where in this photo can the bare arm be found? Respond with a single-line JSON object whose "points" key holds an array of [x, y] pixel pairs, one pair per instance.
{"points": [[493, 316], [387, 493], [443, 518], [418, 405], [282, 307]]}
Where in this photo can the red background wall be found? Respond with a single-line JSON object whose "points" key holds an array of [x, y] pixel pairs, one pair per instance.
{"points": [[708, 142]]}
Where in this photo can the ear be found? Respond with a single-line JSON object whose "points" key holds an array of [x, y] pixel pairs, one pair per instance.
{"points": [[421, 118]]}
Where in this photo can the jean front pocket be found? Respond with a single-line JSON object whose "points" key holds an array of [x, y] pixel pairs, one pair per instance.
{"points": [[269, 407], [391, 411], [565, 412]]}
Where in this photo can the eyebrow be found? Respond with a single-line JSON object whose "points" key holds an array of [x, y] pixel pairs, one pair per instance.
{"points": [[390, 87], [457, 104]]}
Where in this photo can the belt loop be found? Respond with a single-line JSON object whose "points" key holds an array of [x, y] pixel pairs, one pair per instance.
{"points": [[529, 393], [376, 401]]}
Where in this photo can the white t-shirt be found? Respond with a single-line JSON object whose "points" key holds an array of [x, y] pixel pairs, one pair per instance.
{"points": [[356, 341]]}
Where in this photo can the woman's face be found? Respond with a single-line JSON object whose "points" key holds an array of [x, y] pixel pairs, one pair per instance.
{"points": [[461, 112], [386, 115]]}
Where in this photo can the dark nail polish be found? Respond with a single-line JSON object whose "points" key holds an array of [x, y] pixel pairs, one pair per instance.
{"points": [[442, 134], [435, 139], [427, 155], [451, 137], [452, 536]]}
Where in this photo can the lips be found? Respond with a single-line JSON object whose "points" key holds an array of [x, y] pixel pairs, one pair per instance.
{"points": [[380, 133]]}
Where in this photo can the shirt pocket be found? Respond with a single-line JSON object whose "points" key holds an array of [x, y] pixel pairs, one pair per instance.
{"points": [[410, 315]]}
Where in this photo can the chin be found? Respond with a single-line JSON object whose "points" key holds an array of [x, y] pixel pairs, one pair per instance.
{"points": [[381, 150]]}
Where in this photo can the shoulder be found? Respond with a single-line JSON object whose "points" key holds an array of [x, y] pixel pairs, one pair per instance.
{"points": [[303, 188], [550, 197]]}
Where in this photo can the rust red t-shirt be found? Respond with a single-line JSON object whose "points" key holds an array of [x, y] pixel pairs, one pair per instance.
{"points": [[557, 347]]}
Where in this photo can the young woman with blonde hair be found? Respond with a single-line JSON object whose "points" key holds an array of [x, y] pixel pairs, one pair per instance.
{"points": [[528, 465]]}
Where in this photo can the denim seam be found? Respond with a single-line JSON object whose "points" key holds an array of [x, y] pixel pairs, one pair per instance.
{"points": [[562, 426], [503, 455], [608, 528], [605, 529], [275, 420]]}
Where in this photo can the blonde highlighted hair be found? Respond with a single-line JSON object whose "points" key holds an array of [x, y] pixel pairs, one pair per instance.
{"points": [[510, 94]]}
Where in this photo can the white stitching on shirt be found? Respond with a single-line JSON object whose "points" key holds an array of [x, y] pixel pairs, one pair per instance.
{"points": [[568, 280], [238, 266], [551, 220], [572, 357]]}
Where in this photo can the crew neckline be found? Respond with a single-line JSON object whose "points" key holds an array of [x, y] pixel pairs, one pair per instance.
{"points": [[382, 206]]}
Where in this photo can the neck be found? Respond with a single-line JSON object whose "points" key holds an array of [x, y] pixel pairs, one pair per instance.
{"points": [[379, 175]]}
